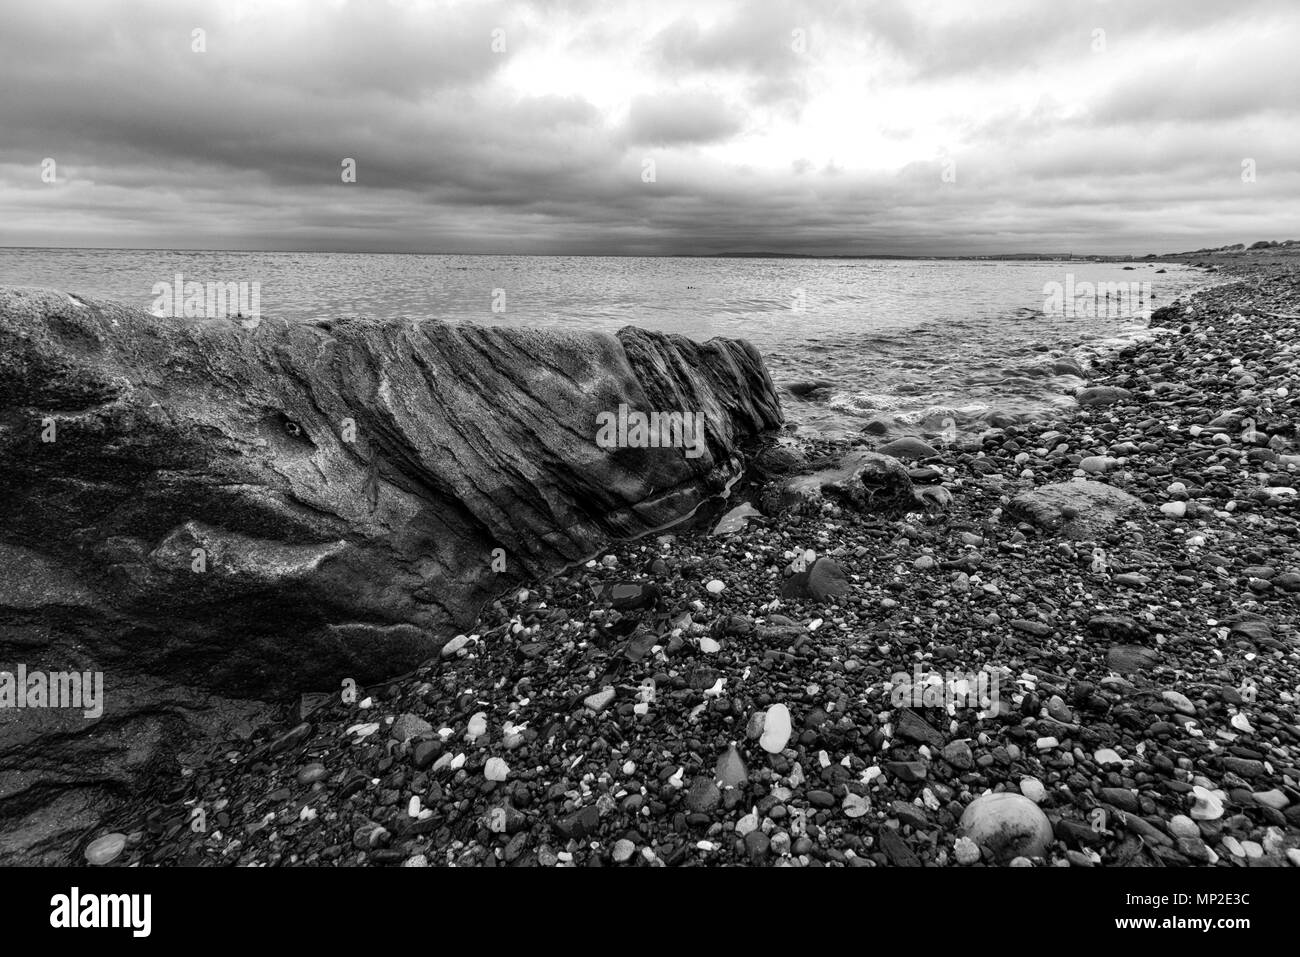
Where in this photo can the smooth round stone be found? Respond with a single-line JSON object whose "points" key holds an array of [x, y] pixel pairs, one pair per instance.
{"points": [[1010, 825], [1180, 702], [908, 447], [1096, 464], [496, 769], [776, 729], [715, 587], [1180, 825], [311, 773], [1033, 789], [1059, 710], [623, 851], [106, 849], [1275, 799], [1106, 756], [454, 646], [1174, 509]]}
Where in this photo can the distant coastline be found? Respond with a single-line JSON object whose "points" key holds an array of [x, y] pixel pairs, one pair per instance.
{"points": [[1235, 248]]}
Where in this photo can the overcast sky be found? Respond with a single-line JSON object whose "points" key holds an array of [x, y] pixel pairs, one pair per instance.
{"points": [[834, 127]]}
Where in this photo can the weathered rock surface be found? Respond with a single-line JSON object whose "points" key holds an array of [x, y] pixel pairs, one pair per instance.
{"points": [[1102, 395], [261, 511], [864, 481], [1079, 509]]}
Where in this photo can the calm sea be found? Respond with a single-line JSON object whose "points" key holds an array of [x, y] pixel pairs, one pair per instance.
{"points": [[911, 342]]}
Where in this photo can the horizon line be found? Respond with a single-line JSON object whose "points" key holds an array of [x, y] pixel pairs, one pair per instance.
{"points": [[732, 254]]}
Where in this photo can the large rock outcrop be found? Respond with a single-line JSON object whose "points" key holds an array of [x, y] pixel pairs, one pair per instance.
{"points": [[260, 511]]}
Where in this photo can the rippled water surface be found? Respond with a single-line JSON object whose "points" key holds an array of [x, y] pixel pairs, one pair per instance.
{"points": [[917, 343]]}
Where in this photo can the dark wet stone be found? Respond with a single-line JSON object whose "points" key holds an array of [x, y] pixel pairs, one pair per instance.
{"points": [[703, 795], [579, 824], [912, 772], [896, 849], [910, 726], [824, 579], [1129, 659]]}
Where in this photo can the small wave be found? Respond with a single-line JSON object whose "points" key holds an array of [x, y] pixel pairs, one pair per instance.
{"points": [[860, 402]]}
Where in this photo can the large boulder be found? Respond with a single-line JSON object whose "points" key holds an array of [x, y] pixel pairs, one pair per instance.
{"points": [[260, 511], [1078, 509]]}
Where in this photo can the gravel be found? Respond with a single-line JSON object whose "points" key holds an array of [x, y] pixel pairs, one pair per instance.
{"points": [[1147, 666]]}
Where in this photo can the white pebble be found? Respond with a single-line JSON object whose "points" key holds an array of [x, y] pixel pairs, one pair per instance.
{"points": [[1033, 789], [776, 729], [1207, 806], [1106, 756], [966, 851]]}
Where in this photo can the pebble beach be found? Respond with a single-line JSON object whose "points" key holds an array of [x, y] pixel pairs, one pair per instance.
{"points": [[727, 693]]}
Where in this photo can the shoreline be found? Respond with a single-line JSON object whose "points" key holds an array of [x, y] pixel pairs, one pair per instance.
{"points": [[1101, 670]]}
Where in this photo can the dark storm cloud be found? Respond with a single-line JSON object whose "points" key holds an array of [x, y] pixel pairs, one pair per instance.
{"points": [[463, 147], [766, 43]]}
